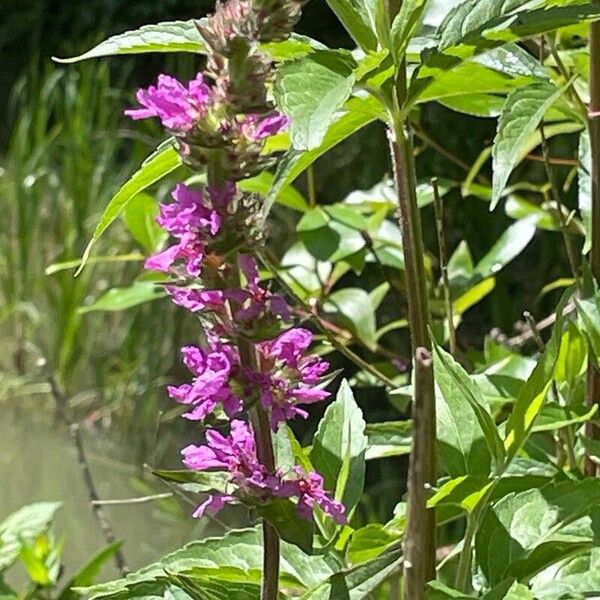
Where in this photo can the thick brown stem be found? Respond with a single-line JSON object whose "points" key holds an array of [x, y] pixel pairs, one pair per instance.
{"points": [[419, 566], [593, 377]]}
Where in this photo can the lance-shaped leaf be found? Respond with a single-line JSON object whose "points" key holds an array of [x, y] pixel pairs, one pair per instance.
{"points": [[405, 24], [584, 177], [183, 36], [521, 116], [477, 26], [118, 299], [466, 431], [354, 17], [533, 394], [338, 451], [171, 36], [311, 90], [157, 166], [358, 582]]}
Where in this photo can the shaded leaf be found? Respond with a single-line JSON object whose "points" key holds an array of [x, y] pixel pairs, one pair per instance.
{"points": [[339, 446], [123, 298]]}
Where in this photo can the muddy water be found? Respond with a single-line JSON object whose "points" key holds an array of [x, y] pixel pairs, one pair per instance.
{"points": [[38, 463]]}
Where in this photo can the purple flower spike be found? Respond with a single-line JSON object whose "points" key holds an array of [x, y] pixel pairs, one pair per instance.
{"points": [[213, 368], [193, 222], [255, 301], [178, 107], [289, 378]]}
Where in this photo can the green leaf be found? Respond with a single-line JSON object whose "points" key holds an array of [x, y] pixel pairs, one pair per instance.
{"points": [[162, 162], [89, 572], [358, 582], [369, 542], [172, 36], [354, 17], [119, 299], [467, 433], [352, 306], [510, 244], [526, 532], [140, 217], [473, 295], [388, 439], [183, 36], [588, 310], [236, 555], [198, 482], [436, 590], [576, 579], [405, 25], [292, 528], [476, 25], [332, 233], [311, 90], [358, 112], [522, 113], [533, 394], [584, 175], [24, 526], [339, 446], [262, 183], [572, 355], [507, 590]]}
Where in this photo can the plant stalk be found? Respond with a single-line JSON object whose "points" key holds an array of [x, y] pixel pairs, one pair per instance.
{"points": [[593, 376], [443, 254], [419, 550], [266, 456]]}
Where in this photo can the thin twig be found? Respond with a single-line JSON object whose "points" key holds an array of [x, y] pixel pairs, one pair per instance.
{"points": [[443, 257], [564, 226], [317, 320], [535, 332], [521, 339], [88, 480], [126, 501]]}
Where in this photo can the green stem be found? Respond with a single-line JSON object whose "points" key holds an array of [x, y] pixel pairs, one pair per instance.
{"points": [[463, 572], [419, 566], [443, 254], [593, 377]]}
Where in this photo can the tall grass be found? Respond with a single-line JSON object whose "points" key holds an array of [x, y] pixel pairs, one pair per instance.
{"points": [[67, 154]]}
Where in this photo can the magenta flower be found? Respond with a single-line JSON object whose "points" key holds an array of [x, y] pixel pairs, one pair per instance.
{"points": [[260, 128], [178, 107], [288, 378], [191, 220], [254, 301], [308, 488], [236, 454], [213, 368], [196, 300]]}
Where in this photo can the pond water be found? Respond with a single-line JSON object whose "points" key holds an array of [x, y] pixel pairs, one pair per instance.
{"points": [[38, 463]]}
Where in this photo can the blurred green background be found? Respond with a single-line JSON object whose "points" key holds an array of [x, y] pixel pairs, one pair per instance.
{"points": [[65, 147]]}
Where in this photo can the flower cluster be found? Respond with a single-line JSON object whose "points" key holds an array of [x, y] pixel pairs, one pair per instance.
{"points": [[237, 455], [251, 357]]}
